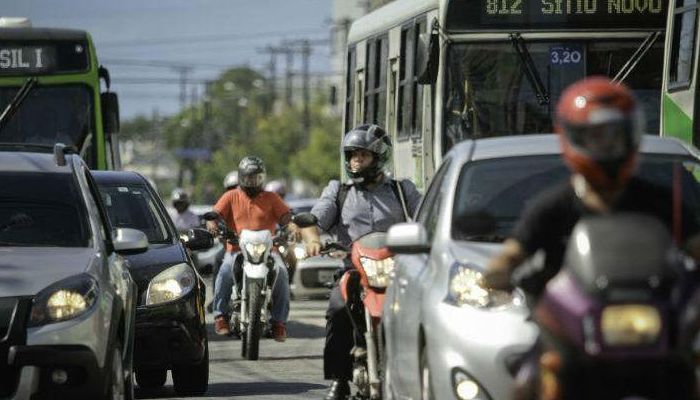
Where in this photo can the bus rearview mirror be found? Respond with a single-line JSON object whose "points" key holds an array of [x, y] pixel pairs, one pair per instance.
{"points": [[110, 112], [427, 58]]}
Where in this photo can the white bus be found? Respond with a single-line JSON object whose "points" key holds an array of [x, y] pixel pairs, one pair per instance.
{"points": [[435, 72], [679, 105]]}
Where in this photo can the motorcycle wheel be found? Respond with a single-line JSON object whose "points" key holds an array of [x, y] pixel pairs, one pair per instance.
{"points": [[251, 341]]}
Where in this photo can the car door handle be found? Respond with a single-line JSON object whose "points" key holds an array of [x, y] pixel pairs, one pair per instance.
{"points": [[403, 283]]}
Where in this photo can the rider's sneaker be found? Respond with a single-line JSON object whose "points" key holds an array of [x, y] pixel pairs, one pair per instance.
{"points": [[339, 390], [221, 326], [279, 332]]}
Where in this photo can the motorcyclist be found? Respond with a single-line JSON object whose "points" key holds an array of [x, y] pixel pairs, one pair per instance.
{"points": [[600, 129], [183, 218], [230, 183], [249, 207], [277, 187], [231, 180], [290, 259], [370, 204]]}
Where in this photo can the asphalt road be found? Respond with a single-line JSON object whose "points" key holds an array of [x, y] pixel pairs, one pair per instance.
{"points": [[289, 370]]}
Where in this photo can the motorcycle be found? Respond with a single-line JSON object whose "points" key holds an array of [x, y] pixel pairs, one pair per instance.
{"points": [[259, 265], [620, 318]]}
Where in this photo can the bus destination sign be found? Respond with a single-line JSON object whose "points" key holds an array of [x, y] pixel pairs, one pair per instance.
{"points": [[556, 14], [26, 59]]}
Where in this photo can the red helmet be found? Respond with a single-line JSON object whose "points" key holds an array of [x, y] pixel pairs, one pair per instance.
{"points": [[600, 130]]}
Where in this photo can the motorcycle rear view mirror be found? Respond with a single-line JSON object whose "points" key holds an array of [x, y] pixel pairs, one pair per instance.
{"points": [[198, 239], [210, 216], [304, 220]]}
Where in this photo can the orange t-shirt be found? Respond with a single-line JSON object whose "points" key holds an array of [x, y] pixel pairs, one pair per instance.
{"points": [[241, 212]]}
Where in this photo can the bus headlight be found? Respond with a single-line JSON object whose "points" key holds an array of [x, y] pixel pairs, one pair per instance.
{"points": [[64, 300], [378, 271], [630, 325], [171, 284], [466, 288]]}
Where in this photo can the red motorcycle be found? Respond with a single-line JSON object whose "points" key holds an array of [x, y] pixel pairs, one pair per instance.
{"points": [[363, 288]]}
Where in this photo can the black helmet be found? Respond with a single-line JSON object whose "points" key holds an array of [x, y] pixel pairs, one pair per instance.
{"points": [[371, 138], [231, 180], [251, 175]]}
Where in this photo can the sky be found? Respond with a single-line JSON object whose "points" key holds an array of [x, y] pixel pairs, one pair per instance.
{"points": [[206, 35]]}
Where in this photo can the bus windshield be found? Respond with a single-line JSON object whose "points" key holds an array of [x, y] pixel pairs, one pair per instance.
{"points": [[50, 115], [489, 94]]}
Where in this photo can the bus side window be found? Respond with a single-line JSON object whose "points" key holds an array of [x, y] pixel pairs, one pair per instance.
{"points": [[404, 112], [417, 103], [350, 89], [375, 83], [683, 43]]}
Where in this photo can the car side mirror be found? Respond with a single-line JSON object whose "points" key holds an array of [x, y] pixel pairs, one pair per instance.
{"points": [[127, 240], [304, 220], [408, 238], [198, 239], [427, 58]]}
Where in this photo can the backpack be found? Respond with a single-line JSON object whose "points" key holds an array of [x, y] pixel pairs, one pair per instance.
{"points": [[396, 187]]}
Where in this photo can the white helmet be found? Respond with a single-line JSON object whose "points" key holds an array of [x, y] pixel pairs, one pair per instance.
{"points": [[231, 180]]}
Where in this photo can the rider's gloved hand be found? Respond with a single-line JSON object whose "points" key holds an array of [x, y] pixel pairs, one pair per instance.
{"points": [[213, 227], [313, 248]]}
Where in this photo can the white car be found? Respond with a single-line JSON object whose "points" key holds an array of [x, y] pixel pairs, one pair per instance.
{"points": [[446, 337]]}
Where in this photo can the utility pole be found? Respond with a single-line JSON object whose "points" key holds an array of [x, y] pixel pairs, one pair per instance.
{"points": [[289, 74], [272, 80], [305, 54], [183, 71]]}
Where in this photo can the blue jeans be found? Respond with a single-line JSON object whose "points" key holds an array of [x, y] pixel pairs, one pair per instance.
{"points": [[225, 282]]}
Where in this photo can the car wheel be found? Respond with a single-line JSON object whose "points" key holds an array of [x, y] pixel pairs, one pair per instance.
{"points": [[192, 379], [426, 387], [116, 376], [151, 378]]}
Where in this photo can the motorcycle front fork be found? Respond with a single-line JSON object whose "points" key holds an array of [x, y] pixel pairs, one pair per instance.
{"points": [[366, 359]]}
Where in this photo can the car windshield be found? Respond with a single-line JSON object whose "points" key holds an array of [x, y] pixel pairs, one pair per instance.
{"points": [[42, 210], [491, 194], [132, 206], [49, 115], [489, 94]]}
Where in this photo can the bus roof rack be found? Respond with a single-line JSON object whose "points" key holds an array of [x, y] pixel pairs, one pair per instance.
{"points": [[15, 22], [59, 153]]}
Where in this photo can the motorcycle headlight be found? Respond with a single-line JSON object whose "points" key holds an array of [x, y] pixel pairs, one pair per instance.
{"points": [[630, 325], [171, 284], [64, 300], [255, 251], [299, 252], [378, 271], [466, 288]]}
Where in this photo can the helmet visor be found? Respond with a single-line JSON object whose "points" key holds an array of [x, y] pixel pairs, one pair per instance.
{"points": [[611, 140], [252, 180]]}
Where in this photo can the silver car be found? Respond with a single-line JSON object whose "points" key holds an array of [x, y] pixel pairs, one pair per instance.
{"points": [[446, 337], [67, 300]]}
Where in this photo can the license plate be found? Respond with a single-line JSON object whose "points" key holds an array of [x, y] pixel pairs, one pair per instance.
{"points": [[325, 276]]}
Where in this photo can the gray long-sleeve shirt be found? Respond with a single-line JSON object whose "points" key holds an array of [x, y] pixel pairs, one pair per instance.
{"points": [[365, 210]]}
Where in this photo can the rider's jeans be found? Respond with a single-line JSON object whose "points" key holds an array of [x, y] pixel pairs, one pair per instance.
{"points": [[225, 282]]}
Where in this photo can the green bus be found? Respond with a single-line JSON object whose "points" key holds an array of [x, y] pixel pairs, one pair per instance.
{"points": [[679, 106], [58, 71]]}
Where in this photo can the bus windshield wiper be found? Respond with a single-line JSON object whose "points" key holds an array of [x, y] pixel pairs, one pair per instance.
{"points": [[17, 101], [530, 69], [638, 54]]}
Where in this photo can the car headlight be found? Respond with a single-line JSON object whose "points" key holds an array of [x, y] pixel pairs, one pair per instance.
{"points": [[630, 325], [378, 271], [171, 284], [466, 288], [64, 300], [255, 251], [299, 252]]}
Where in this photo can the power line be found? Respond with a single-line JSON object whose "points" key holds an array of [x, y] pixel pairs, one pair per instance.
{"points": [[206, 38]]}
